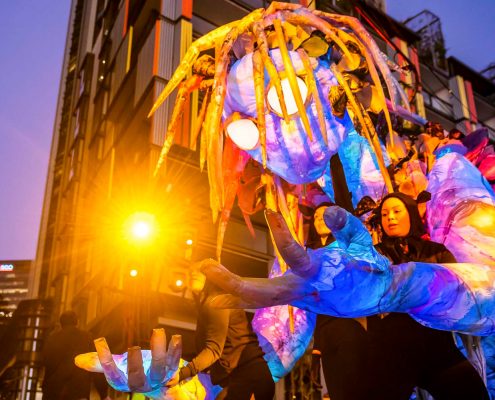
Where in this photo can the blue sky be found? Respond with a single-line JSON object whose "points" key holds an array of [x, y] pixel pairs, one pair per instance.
{"points": [[32, 40]]}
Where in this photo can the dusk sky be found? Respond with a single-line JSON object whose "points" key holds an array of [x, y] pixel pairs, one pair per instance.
{"points": [[31, 46]]}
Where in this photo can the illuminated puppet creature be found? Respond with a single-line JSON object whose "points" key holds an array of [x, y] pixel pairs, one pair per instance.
{"points": [[280, 88], [288, 87]]}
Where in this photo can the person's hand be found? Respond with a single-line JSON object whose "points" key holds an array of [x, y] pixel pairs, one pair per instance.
{"points": [[174, 380]]}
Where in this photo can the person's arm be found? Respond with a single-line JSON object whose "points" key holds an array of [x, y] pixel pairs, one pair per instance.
{"points": [[216, 334]]}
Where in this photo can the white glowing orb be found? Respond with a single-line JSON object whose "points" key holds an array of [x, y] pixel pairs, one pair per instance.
{"points": [[179, 283], [244, 133], [133, 272], [290, 101], [141, 229]]}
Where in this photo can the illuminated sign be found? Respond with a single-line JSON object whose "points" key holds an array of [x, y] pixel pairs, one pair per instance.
{"points": [[6, 267]]}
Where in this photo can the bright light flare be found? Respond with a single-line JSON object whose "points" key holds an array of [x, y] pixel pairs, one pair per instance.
{"points": [[290, 101], [140, 227], [133, 272], [189, 242]]}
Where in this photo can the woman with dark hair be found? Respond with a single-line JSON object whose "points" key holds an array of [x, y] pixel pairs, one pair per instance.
{"points": [[340, 343], [227, 347], [405, 353]]}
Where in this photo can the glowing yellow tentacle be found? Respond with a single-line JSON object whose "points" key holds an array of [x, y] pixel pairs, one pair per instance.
{"points": [[270, 67], [184, 90], [364, 40], [201, 116], [375, 78], [283, 207], [279, 5], [313, 89], [259, 89], [203, 147], [292, 77], [365, 127], [270, 194], [309, 19], [205, 42]]}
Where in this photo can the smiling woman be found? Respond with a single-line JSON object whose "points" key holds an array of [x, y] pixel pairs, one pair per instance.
{"points": [[395, 218], [408, 353]]}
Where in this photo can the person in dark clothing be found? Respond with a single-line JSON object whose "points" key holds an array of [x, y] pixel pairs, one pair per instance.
{"points": [[341, 343], [228, 348], [404, 354], [63, 380]]}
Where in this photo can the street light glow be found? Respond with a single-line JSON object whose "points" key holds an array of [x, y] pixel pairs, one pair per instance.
{"points": [[133, 273], [141, 229], [189, 242]]}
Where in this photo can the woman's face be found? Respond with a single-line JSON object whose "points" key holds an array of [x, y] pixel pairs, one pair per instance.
{"points": [[395, 218], [319, 222]]}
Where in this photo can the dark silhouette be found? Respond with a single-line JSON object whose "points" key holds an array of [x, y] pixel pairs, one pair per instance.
{"points": [[63, 380]]}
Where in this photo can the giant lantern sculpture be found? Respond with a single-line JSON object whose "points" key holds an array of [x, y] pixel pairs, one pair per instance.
{"points": [[289, 88]]}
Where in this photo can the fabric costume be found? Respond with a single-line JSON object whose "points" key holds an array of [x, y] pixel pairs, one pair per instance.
{"points": [[404, 351], [63, 380], [229, 348]]}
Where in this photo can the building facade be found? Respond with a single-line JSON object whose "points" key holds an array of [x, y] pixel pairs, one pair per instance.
{"points": [[119, 55]]}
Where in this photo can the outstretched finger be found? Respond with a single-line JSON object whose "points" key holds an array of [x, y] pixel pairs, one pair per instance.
{"points": [[158, 367], [173, 355], [135, 372], [115, 377]]}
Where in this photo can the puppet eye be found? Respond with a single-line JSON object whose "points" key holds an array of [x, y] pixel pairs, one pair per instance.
{"points": [[243, 131], [274, 102]]}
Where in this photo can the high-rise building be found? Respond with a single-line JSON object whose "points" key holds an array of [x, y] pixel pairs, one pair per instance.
{"points": [[14, 287]]}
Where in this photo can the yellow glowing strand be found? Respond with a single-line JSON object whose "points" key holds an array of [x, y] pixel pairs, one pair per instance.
{"points": [[278, 6], [201, 117], [203, 144], [219, 89], [270, 67], [308, 18], [284, 209], [313, 89], [365, 127], [271, 197], [203, 43], [364, 39], [292, 77], [259, 89], [185, 89], [375, 78]]}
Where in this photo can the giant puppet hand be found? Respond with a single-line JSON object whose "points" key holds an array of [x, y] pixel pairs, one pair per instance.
{"points": [[147, 371], [350, 279]]}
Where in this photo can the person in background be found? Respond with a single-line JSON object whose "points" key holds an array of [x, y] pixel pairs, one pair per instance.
{"points": [[340, 343], [455, 134], [62, 379], [227, 347]]}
